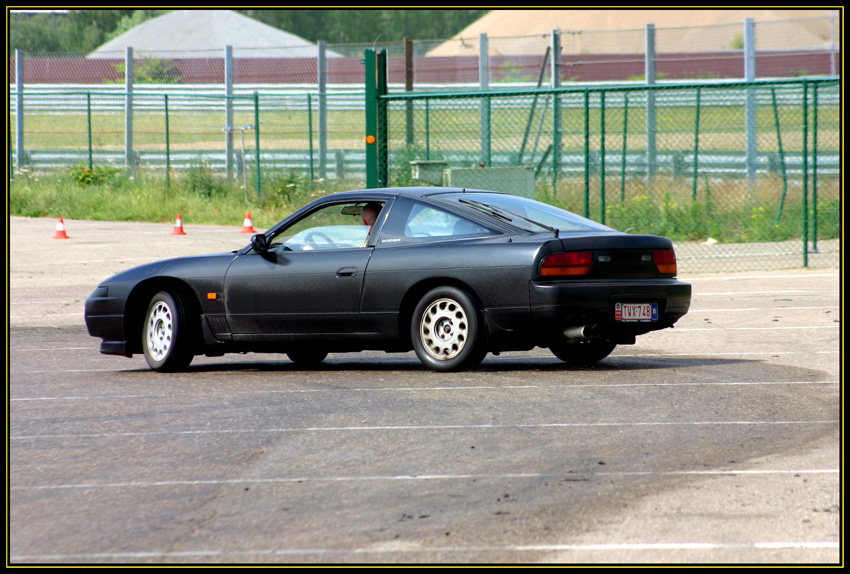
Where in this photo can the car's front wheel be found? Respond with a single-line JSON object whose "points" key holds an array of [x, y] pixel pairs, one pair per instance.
{"points": [[447, 330], [166, 335], [582, 353]]}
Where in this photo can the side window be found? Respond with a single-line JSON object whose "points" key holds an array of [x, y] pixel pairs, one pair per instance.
{"points": [[338, 226], [417, 222]]}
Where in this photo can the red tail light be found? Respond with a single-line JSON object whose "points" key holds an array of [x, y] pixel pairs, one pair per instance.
{"points": [[665, 261], [565, 264]]}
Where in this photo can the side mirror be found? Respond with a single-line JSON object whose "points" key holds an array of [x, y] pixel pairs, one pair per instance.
{"points": [[260, 243]]}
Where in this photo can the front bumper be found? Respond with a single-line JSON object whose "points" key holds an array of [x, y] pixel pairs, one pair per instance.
{"points": [[103, 323]]}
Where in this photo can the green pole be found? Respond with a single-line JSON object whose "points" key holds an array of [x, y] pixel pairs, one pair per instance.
{"points": [[167, 147], [625, 133], [310, 131], [815, 168], [427, 129], [533, 106], [371, 116], [602, 155], [556, 142], [382, 123], [696, 145], [257, 138], [805, 174], [489, 134], [587, 154], [88, 122], [781, 156]]}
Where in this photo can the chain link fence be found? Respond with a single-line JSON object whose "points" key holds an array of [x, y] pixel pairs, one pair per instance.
{"points": [[741, 175], [720, 168]]}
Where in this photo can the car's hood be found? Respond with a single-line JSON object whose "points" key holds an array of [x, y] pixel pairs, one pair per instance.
{"points": [[184, 267]]}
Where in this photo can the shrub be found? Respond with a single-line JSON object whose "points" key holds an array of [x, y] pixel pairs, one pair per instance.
{"points": [[199, 179], [96, 175]]}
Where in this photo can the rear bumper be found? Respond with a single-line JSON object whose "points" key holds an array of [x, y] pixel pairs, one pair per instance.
{"points": [[556, 305]]}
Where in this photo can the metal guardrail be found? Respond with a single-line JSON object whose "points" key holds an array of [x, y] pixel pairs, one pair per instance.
{"points": [[71, 99], [352, 162]]}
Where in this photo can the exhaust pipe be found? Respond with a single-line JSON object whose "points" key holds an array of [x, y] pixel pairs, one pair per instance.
{"points": [[583, 332]]}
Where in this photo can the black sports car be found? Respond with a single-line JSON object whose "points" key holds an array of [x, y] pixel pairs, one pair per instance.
{"points": [[450, 273]]}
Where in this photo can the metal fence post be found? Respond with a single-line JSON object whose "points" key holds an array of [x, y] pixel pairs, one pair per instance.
{"points": [[696, 146], [815, 168], [427, 129], [625, 146], [20, 154], [228, 110], [805, 170], [586, 153], [257, 139], [484, 111], [533, 109], [408, 87], [88, 126], [168, 147], [781, 156], [555, 82], [750, 106], [128, 107], [650, 101], [383, 120], [602, 155], [371, 117], [310, 135], [322, 67], [833, 46]]}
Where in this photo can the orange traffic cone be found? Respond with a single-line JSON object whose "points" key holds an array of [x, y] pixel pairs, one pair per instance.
{"points": [[60, 230], [178, 228], [248, 225]]}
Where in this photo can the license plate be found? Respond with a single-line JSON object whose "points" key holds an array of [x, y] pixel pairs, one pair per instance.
{"points": [[635, 312]]}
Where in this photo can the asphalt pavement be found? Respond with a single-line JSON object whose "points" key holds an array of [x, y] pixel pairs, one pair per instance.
{"points": [[717, 442]]}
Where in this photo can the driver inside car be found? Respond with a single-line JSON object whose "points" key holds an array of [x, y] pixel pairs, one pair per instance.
{"points": [[369, 214]]}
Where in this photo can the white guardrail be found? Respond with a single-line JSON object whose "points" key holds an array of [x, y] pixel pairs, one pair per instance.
{"points": [[71, 98]]}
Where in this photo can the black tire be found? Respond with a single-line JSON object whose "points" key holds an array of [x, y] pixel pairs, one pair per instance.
{"points": [[582, 353], [447, 330], [307, 357], [167, 333]]}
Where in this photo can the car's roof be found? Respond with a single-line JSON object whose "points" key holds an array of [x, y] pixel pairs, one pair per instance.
{"points": [[387, 192]]}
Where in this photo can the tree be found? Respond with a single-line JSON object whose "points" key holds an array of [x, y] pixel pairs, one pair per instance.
{"points": [[76, 31], [353, 26], [83, 31]]}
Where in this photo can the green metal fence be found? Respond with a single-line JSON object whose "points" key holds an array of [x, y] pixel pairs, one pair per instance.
{"points": [[251, 137], [742, 176]]}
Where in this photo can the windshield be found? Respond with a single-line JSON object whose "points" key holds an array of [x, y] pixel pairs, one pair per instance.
{"points": [[523, 212]]}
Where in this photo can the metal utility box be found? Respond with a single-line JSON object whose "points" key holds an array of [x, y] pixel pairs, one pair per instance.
{"points": [[429, 171], [514, 180]]}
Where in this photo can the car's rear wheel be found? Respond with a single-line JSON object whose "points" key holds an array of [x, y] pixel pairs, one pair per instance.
{"points": [[166, 335], [582, 353], [306, 357], [446, 330]]}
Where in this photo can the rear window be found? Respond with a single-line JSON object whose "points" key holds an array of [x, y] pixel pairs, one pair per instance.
{"points": [[522, 212]]}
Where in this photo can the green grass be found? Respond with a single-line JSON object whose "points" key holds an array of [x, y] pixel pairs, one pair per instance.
{"points": [[728, 210], [198, 195]]}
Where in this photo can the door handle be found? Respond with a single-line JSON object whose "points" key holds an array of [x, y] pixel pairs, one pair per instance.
{"points": [[347, 272]]}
